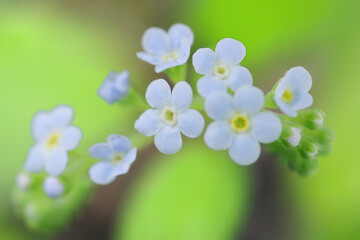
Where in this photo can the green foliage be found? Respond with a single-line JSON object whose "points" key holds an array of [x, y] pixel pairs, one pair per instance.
{"points": [[195, 194], [177, 74], [47, 215]]}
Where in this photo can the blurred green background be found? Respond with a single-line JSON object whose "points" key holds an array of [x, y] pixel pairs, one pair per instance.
{"points": [[54, 52]]}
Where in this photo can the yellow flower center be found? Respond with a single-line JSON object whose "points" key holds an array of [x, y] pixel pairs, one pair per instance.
{"points": [[287, 96], [169, 116], [170, 56], [240, 123], [118, 157], [53, 141], [221, 71]]}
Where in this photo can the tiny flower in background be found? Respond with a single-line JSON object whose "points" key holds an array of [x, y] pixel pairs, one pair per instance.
{"points": [[221, 68], [170, 116], [239, 124], [23, 180], [54, 136], [117, 155], [292, 92], [115, 86], [166, 49], [53, 187]]}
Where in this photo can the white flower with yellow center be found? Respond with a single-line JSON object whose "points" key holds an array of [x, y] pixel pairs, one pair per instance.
{"points": [[239, 124], [292, 92], [170, 116], [54, 137], [221, 67]]}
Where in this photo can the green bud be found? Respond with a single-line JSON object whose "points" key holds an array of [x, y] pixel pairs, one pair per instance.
{"points": [[312, 119], [325, 137], [308, 148], [269, 100], [291, 135]]}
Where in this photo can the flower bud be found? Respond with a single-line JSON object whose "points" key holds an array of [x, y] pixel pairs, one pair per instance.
{"points": [[309, 148], [53, 187], [312, 119], [23, 180]]}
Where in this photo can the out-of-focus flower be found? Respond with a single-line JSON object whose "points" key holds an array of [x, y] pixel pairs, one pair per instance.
{"points": [[166, 49], [115, 86], [292, 92], [54, 137], [170, 116], [221, 68], [239, 124], [117, 155], [53, 187], [23, 180]]}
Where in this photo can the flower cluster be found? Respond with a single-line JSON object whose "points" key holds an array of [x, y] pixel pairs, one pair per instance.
{"points": [[242, 116], [54, 136]]}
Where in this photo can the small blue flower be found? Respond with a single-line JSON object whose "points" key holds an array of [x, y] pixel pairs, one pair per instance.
{"points": [[53, 187], [170, 116], [166, 49], [292, 92], [239, 124], [54, 137], [115, 86], [117, 155], [221, 68]]}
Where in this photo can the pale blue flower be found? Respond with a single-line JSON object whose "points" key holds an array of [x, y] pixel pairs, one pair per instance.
{"points": [[240, 124], [117, 155], [221, 68], [292, 92], [115, 86], [170, 116], [53, 187], [23, 180], [54, 136], [166, 49]]}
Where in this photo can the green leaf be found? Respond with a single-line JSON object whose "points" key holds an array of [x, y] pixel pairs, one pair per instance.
{"points": [[195, 194]]}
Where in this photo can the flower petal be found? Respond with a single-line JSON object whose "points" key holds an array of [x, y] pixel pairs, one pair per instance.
{"points": [[119, 143], [301, 100], [166, 65], [56, 163], [101, 151], [62, 116], [218, 135], [238, 77], [53, 187], [70, 138], [108, 92], [184, 51], [168, 140], [182, 96], [41, 125], [191, 123], [149, 122], [204, 60], [230, 51], [35, 159], [122, 82], [298, 78], [155, 40], [102, 173], [179, 31], [149, 58], [219, 106], [208, 84], [285, 108], [244, 150], [249, 99], [158, 93], [124, 167], [266, 127]]}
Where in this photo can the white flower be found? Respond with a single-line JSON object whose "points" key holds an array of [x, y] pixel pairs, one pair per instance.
{"points": [[54, 137], [170, 116], [292, 92], [166, 49]]}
